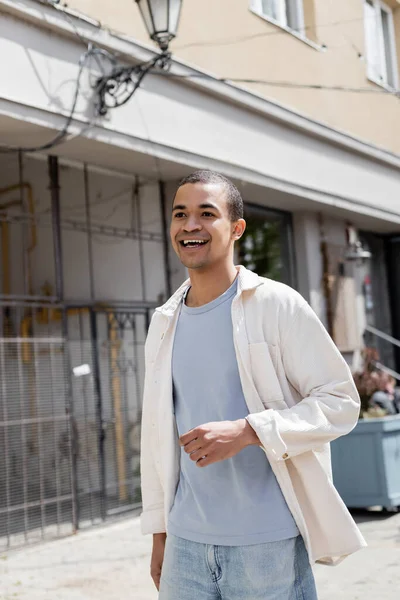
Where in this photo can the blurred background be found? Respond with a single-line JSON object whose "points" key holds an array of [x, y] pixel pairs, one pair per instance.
{"points": [[103, 108]]}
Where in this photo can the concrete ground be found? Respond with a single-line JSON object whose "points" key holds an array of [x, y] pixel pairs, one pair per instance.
{"points": [[112, 562]]}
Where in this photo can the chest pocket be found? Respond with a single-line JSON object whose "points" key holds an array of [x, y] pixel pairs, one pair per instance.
{"points": [[263, 357]]}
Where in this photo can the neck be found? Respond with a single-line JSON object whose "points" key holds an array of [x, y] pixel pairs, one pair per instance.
{"points": [[207, 285]]}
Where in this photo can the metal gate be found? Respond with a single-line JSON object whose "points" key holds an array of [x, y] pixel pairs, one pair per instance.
{"points": [[70, 411], [106, 355], [36, 475]]}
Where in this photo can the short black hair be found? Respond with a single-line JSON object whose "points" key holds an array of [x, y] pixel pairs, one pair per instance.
{"points": [[233, 196]]}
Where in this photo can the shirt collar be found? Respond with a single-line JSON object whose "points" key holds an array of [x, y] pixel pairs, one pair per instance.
{"points": [[247, 280]]}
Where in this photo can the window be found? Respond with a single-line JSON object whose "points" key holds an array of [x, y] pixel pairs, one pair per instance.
{"points": [[380, 43], [266, 245], [286, 13]]}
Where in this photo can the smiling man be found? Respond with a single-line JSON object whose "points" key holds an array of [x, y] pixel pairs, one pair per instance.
{"points": [[244, 390]]}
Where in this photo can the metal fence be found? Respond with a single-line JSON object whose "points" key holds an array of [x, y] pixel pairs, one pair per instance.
{"points": [[70, 411]]}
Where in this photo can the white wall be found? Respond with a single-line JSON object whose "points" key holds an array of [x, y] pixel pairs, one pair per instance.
{"points": [[184, 122], [347, 300], [116, 264], [39, 385], [308, 260]]}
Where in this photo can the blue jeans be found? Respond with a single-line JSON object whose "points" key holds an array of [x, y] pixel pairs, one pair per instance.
{"points": [[272, 571]]}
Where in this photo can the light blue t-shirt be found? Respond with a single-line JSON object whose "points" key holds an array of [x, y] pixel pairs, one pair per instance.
{"points": [[236, 501]]}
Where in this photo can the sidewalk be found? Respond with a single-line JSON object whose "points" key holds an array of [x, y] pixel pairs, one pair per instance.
{"points": [[112, 563]]}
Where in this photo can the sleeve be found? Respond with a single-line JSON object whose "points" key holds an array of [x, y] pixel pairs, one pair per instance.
{"points": [[152, 518], [330, 402]]}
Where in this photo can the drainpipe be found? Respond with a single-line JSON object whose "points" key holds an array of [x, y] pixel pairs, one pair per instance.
{"points": [[167, 266], [56, 224], [326, 279], [54, 187]]}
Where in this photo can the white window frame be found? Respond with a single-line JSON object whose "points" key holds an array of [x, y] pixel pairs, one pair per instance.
{"points": [[296, 7], [384, 73]]}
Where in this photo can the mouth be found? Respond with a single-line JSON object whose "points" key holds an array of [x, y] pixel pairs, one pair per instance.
{"points": [[193, 243]]}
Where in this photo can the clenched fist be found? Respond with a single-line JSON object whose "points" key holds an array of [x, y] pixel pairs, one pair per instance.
{"points": [[219, 440]]}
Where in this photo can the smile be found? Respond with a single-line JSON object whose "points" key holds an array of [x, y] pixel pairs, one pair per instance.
{"points": [[193, 243]]}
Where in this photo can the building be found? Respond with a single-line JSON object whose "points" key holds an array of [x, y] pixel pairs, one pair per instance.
{"points": [[85, 255]]}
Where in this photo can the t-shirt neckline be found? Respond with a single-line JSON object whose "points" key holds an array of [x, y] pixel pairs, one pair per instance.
{"points": [[197, 310]]}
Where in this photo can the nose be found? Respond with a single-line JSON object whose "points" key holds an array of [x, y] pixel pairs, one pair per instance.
{"points": [[192, 224]]}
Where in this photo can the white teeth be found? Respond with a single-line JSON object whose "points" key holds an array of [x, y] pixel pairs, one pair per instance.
{"points": [[186, 242]]}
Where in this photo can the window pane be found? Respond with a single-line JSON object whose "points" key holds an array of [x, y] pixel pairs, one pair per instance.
{"points": [[372, 42], [294, 19], [265, 246], [276, 9], [388, 50]]}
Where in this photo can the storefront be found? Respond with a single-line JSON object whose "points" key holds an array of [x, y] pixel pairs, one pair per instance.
{"points": [[85, 255]]}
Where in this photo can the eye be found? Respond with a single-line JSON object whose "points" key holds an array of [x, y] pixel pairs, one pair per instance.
{"points": [[207, 214], [179, 215]]}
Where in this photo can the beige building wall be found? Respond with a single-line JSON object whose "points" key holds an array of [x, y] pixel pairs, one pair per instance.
{"points": [[226, 39]]}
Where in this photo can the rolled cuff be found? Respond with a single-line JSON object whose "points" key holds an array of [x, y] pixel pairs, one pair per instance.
{"points": [[265, 427], [152, 521]]}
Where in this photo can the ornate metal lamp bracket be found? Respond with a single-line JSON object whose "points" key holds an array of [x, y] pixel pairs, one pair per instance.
{"points": [[117, 87]]}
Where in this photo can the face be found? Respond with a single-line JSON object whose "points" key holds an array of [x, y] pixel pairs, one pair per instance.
{"points": [[202, 233]]}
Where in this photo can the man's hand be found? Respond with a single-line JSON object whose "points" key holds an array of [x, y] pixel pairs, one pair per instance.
{"points": [[157, 557], [212, 442]]}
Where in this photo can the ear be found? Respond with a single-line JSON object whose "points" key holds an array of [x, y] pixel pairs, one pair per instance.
{"points": [[238, 229]]}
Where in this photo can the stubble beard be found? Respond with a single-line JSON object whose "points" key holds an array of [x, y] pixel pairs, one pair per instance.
{"points": [[193, 265]]}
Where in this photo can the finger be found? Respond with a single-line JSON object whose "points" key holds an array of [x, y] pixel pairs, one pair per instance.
{"points": [[192, 446], [156, 578], [188, 437], [203, 461], [195, 456]]}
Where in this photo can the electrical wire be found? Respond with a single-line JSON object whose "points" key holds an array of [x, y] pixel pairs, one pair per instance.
{"points": [[64, 131], [283, 84], [95, 52], [262, 34]]}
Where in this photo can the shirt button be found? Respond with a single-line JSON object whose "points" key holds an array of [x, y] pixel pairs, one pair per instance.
{"points": [[285, 456]]}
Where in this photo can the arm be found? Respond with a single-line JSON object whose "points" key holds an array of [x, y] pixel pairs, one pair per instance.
{"points": [[314, 366], [152, 518]]}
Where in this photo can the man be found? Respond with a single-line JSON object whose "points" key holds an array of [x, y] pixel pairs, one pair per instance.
{"points": [[244, 390]]}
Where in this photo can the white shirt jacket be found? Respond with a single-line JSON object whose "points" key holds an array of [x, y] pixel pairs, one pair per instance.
{"points": [[300, 395]]}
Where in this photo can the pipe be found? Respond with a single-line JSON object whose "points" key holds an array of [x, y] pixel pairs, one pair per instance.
{"points": [[116, 394], [167, 266], [89, 230], [5, 248], [33, 231], [136, 197], [56, 222], [24, 227], [99, 412], [326, 279], [327, 289]]}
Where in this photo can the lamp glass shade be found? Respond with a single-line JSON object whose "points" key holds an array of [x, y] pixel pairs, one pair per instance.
{"points": [[146, 16], [161, 18], [174, 14]]}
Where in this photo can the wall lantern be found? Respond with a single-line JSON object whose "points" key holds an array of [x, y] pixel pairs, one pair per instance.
{"points": [[161, 19], [354, 251]]}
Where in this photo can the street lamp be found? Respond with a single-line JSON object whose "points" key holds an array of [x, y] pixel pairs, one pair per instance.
{"points": [[354, 251], [161, 18]]}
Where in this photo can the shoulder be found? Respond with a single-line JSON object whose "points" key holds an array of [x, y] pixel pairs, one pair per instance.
{"points": [[279, 296], [279, 309]]}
